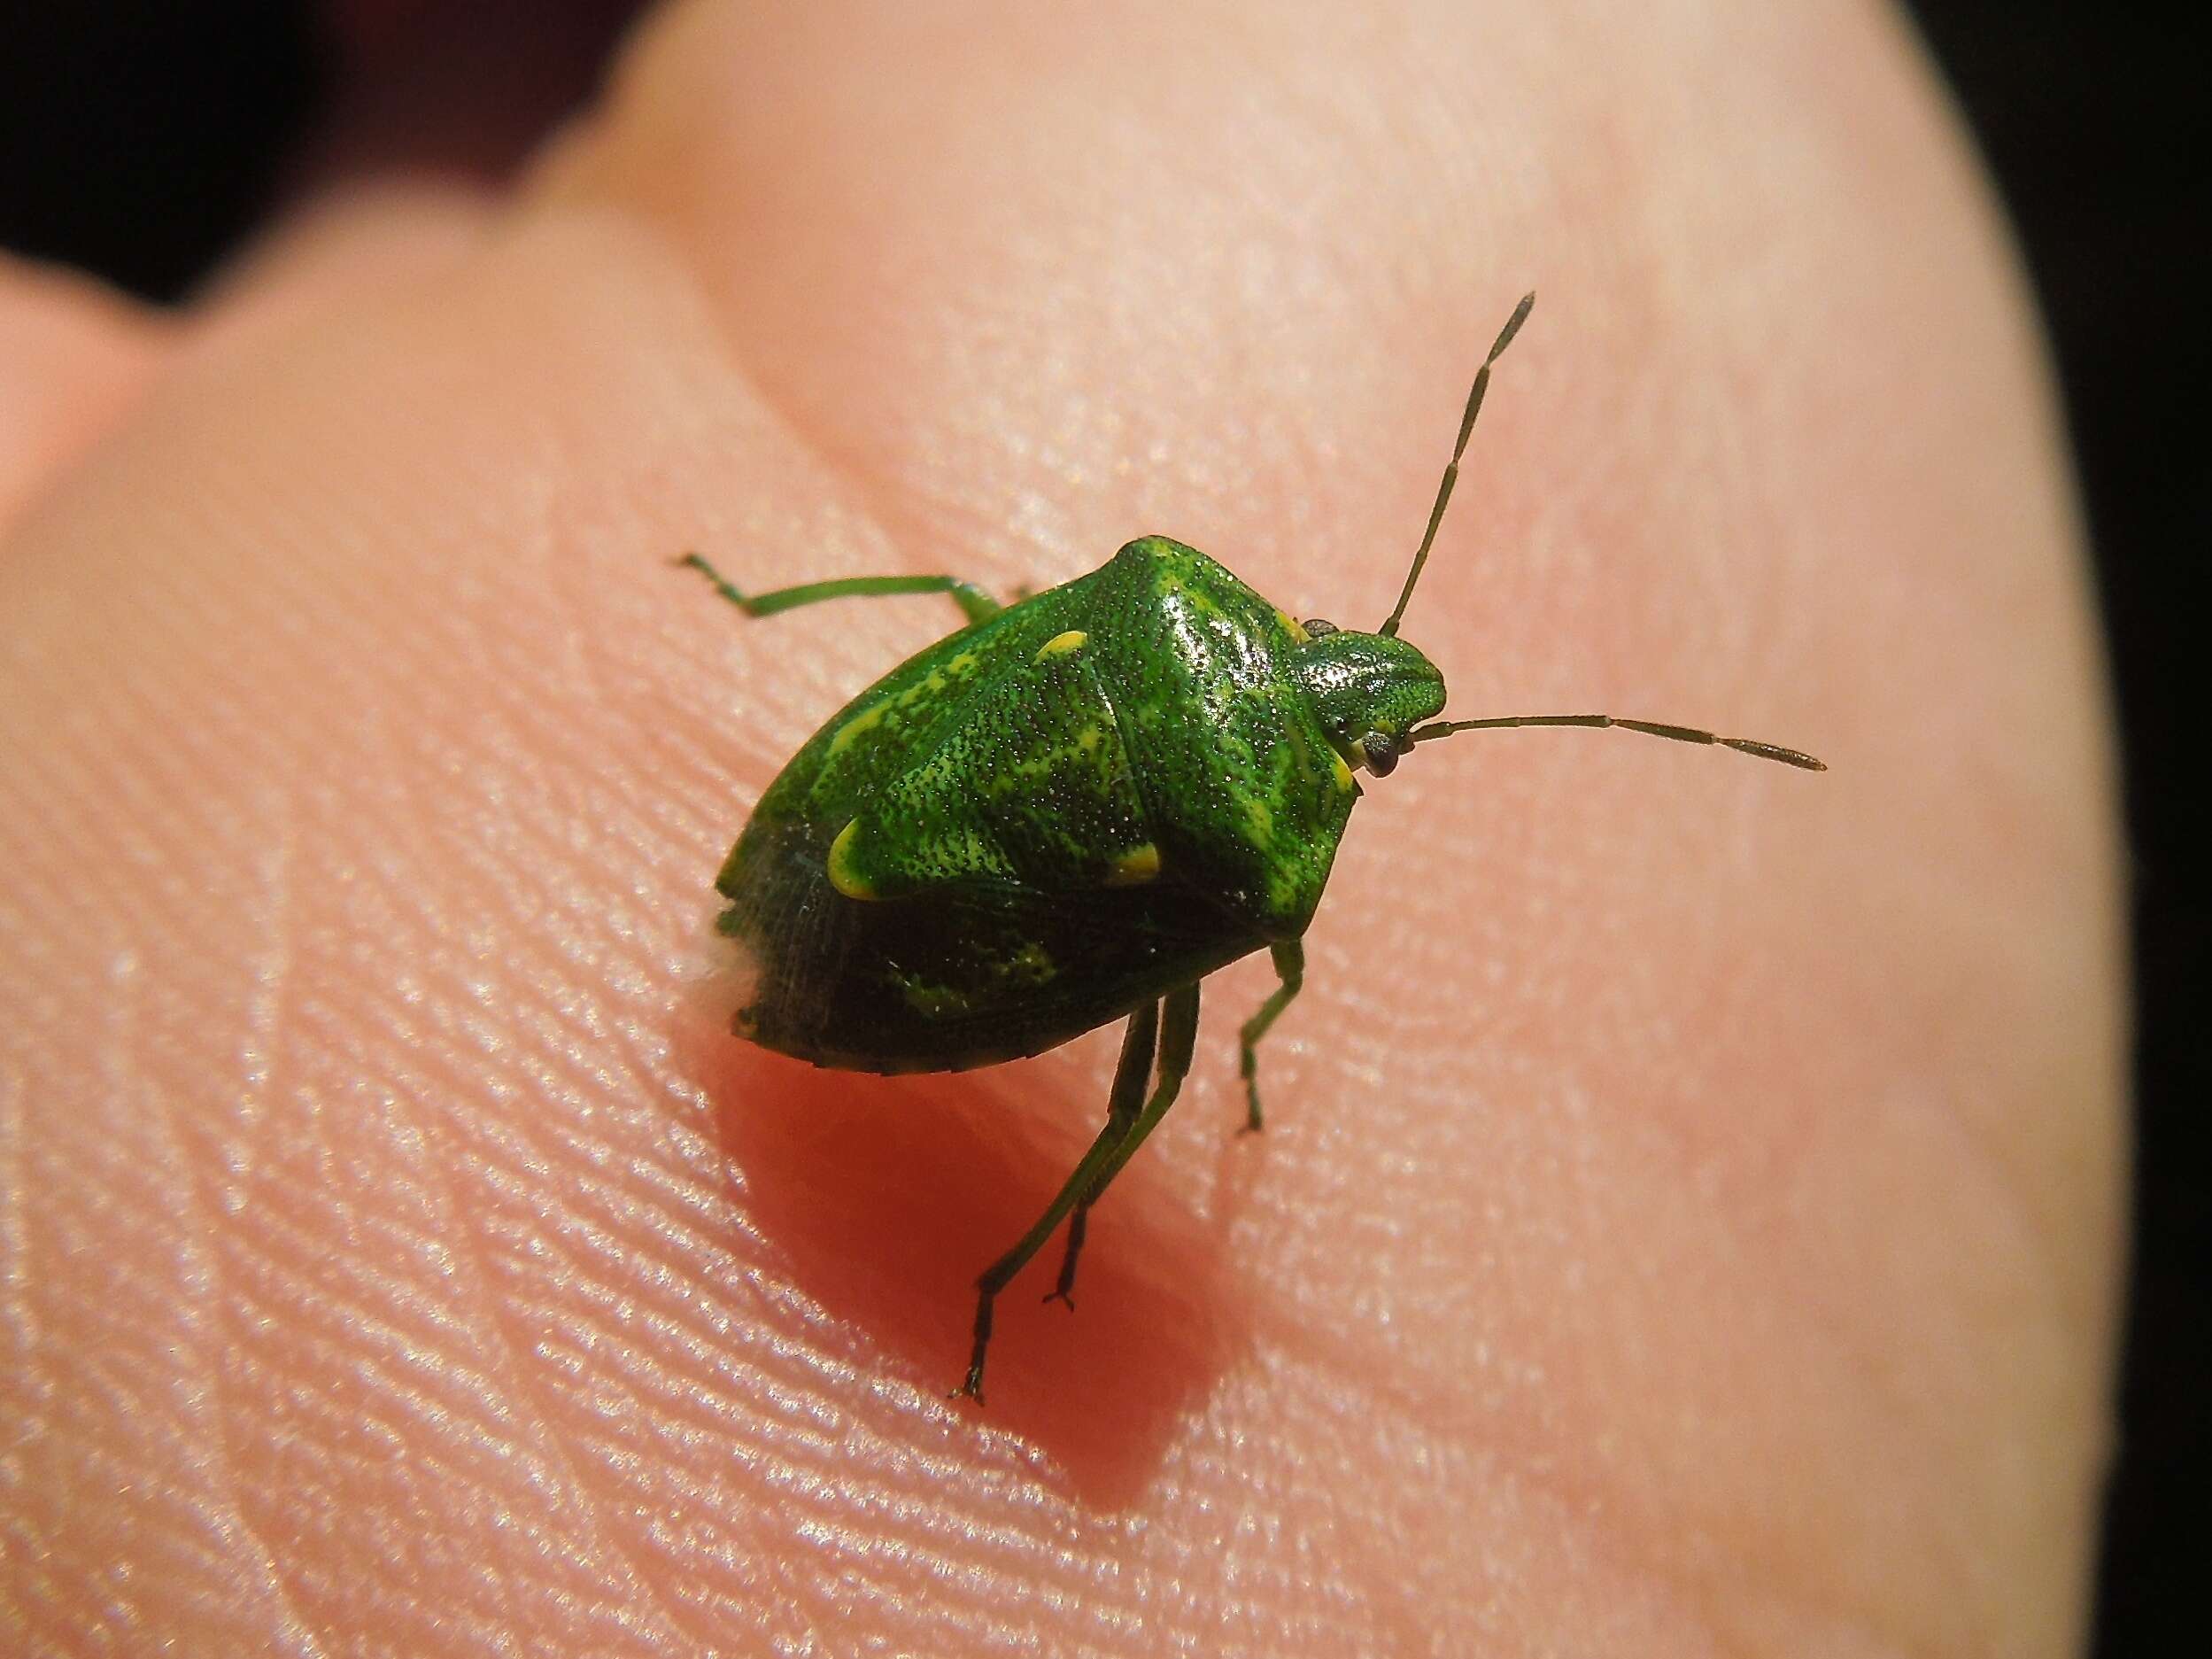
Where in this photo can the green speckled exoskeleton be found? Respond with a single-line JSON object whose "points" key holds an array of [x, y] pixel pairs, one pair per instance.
{"points": [[1071, 811]]}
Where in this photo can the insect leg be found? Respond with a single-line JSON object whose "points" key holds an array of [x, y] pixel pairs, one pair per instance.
{"points": [[1122, 1105], [1290, 967], [974, 603], [1178, 1036], [1121, 1113]]}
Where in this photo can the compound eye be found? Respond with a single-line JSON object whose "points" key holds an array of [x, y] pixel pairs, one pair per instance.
{"points": [[1381, 755], [1315, 627]]}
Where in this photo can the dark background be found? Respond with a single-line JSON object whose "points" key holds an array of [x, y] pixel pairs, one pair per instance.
{"points": [[142, 138]]}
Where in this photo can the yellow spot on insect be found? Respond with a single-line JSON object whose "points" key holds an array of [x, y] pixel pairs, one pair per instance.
{"points": [[1343, 772], [1061, 644], [843, 876], [962, 664], [1302, 754], [1261, 817], [866, 721], [930, 685], [1135, 867], [1293, 626]]}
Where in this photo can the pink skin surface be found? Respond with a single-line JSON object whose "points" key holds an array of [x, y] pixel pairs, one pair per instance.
{"points": [[1688, 1218]]}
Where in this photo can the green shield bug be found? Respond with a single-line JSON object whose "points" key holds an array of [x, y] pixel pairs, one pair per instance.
{"points": [[1070, 811]]}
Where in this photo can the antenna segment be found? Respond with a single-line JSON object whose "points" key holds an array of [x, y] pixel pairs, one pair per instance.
{"points": [[1451, 472]]}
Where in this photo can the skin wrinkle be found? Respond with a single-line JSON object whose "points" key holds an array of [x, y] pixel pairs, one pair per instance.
{"points": [[1351, 1572], [601, 1496], [859, 515], [122, 1066], [1587, 1493], [1787, 1574], [271, 979], [604, 1500], [2025, 1214], [429, 1403], [399, 1100], [22, 1319], [205, 1266], [235, 1523], [1851, 1342], [1844, 1344], [859, 471], [2014, 1210], [1784, 1578], [498, 1323]]}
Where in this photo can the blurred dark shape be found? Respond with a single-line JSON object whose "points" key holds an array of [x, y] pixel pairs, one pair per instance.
{"points": [[143, 138]]}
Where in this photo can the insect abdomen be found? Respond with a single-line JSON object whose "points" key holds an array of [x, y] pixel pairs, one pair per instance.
{"points": [[943, 984]]}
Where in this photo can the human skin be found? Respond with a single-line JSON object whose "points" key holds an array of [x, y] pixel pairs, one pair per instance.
{"points": [[1687, 1216]]}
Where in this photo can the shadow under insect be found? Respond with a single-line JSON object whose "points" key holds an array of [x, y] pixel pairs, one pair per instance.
{"points": [[882, 1198]]}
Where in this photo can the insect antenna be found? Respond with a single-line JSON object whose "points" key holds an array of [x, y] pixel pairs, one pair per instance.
{"points": [[1451, 472], [1650, 728]]}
